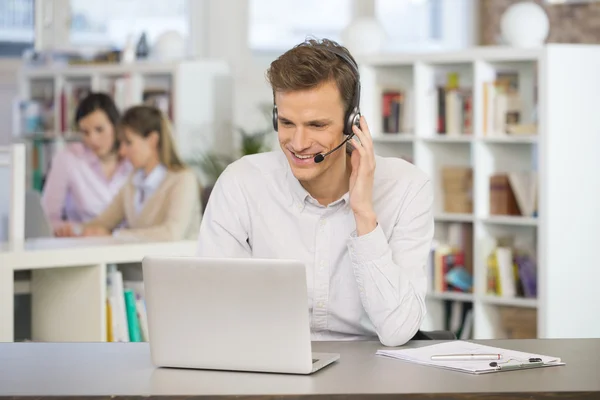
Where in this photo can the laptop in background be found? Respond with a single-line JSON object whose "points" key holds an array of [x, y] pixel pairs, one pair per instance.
{"points": [[37, 224], [242, 314]]}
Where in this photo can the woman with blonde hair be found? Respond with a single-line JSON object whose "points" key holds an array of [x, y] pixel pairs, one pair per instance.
{"points": [[160, 201]]}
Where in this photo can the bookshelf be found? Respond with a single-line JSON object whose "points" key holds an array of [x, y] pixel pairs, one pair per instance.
{"points": [[509, 138], [195, 94]]}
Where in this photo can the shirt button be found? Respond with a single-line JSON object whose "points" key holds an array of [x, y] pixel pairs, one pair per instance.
{"points": [[323, 264], [323, 222], [320, 304]]}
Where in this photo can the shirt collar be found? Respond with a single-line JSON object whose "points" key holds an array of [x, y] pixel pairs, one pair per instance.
{"points": [[152, 180], [300, 196]]}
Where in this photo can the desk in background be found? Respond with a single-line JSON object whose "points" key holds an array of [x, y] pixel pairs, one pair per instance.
{"points": [[68, 283], [122, 370]]}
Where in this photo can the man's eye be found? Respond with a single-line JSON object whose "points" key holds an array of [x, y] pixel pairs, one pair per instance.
{"points": [[286, 123]]}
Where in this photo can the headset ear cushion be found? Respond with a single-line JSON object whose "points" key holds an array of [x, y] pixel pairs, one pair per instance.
{"points": [[353, 119], [275, 117]]}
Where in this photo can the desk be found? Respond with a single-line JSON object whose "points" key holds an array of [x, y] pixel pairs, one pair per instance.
{"points": [[125, 369], [68, 284]]}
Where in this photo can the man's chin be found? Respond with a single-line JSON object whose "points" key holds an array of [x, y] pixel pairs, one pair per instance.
{"points": [[303, 173]]}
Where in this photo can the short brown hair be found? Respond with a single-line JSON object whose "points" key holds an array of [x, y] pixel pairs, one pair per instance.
{"points": [[144, 120], [312, 63]]}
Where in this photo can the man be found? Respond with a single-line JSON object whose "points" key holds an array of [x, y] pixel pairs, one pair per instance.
{"points": [[361, 223]]}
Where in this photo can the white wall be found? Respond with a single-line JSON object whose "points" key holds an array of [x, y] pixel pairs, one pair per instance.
{"points": [[9, 69], [219, 29], [8, 91]]}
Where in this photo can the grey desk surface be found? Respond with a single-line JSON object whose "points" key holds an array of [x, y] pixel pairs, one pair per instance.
{"points": [[125, 369]]}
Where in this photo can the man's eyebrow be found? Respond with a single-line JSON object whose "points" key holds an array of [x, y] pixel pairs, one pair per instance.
{"points": [[321, 121]]}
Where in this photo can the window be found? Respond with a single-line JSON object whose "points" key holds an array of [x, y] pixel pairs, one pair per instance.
{"points": [[425, 24], [16, 26], [277, 25], [110, 22]]}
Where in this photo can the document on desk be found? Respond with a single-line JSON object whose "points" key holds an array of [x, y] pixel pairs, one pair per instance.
{"points": [[509, 359]]}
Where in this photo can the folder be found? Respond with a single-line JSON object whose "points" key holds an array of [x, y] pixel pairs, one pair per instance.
{"points": [[510, 360]]}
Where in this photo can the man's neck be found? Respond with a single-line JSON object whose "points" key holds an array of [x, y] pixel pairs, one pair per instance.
{"points": [[333, 185]]}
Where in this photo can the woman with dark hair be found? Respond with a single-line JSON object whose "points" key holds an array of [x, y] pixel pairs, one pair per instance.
{"points": [[84, 177]]}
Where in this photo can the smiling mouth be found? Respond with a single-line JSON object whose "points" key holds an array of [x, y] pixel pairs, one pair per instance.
{"points": [[303, 156]]}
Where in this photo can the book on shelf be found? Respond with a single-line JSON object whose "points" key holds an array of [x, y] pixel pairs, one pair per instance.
{"points": [[511, 273], [450, 262], [457, 188], [396, 111], [125, 309], [503, 110], [72, 94], [453, 107], [459, 318], [514, 193]]}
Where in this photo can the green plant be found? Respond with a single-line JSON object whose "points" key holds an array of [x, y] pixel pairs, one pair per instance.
{"points": [[254, 142], [211, 165]]}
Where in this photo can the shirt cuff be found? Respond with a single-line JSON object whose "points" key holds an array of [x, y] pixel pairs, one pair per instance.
{"points": [[369, 247]]}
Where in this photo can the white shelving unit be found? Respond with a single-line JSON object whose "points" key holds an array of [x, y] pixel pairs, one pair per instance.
{"points": [[559, 89], [196, 94]]}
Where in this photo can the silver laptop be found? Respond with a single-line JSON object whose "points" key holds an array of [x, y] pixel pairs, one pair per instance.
{"points": [[230, 314]]}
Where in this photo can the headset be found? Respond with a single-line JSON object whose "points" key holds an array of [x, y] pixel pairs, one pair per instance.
{"points": [[352, 117]]}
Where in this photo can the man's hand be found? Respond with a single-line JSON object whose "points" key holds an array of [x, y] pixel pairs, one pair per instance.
{"points": [[361, 179]]}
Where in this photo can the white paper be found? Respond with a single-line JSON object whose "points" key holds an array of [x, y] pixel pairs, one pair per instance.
{"points": [[422, 355]]}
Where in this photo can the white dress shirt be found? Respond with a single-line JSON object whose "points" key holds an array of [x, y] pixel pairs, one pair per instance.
{"points": [[146, 185], [366, 287]]}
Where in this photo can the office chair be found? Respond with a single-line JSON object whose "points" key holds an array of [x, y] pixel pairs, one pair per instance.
{"points": [[434, 335]]}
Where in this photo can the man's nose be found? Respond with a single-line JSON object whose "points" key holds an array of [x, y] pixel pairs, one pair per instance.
{"points": [[300, 140]]}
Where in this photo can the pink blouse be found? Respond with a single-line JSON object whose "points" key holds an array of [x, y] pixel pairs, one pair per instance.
{"points": [[76, 189]]}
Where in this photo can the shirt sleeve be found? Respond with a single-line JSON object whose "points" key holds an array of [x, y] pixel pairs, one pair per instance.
{"points": [[225, 224], [391, 274], [56, 188], [182, 205]]}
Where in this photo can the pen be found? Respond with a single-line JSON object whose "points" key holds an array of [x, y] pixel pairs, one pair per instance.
{"points": [[466, 357]]}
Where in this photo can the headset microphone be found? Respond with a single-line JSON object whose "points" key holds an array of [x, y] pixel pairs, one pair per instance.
{"points": [[320, 157]]}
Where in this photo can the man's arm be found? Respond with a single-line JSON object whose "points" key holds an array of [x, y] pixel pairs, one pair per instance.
{"points": [[391, 276], [225, 224]]}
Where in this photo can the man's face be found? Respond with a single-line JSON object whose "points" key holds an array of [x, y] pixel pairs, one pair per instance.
{"points": [[310, 122]]}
